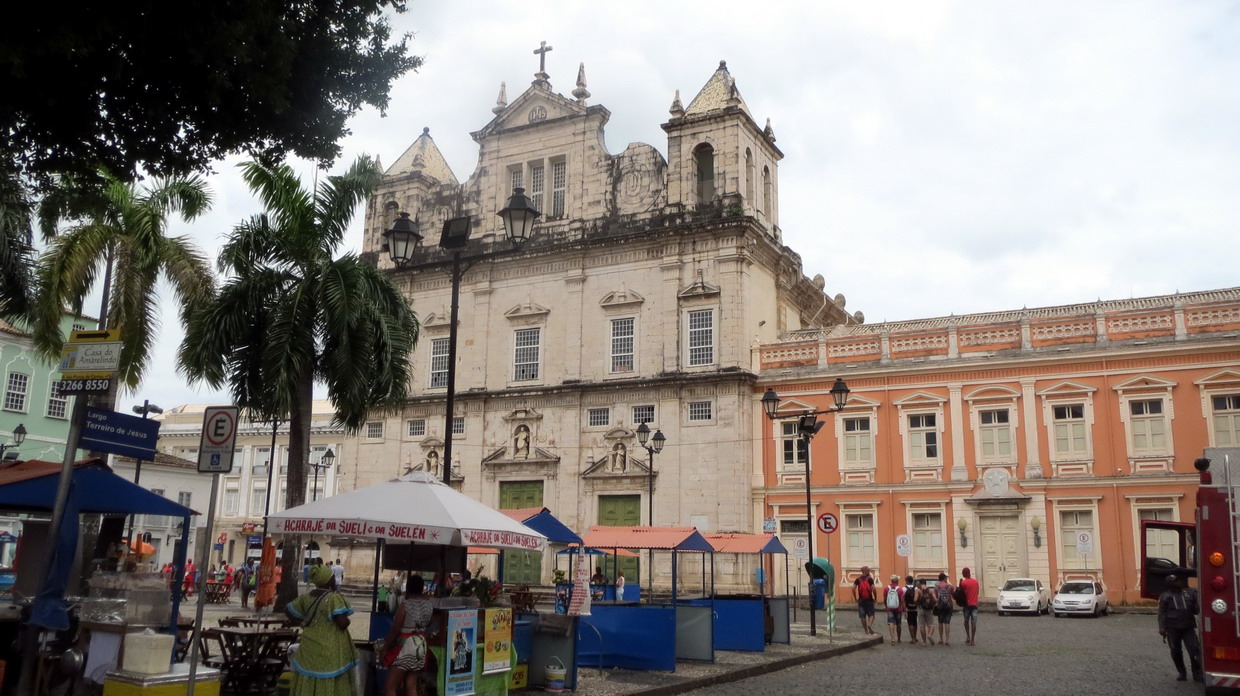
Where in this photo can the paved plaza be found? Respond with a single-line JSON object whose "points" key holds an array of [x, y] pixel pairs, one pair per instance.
{"points": [[1117, 654]]}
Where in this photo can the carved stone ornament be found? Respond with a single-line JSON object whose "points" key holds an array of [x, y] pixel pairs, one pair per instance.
{"points": [[538, 113]]}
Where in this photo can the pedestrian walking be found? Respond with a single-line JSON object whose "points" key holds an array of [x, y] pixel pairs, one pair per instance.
{"points": [[863, 595], [249, 581], [910, 607], [972, 591], [1177, 624], [893, 600], [925, 616], [943, 609], [338, 572]]}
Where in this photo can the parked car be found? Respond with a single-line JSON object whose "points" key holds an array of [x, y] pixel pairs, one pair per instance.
{"points": [[1081, 597], [1025, 596]]}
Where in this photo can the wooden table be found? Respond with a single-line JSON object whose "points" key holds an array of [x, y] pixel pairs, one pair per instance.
{"points": [[218, 592], [252, 657], [268, 621]]}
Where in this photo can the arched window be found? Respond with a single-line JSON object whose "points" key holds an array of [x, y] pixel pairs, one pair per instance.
{"points": [[704, 161], [390, 212], [766, 191], [749, 177]]}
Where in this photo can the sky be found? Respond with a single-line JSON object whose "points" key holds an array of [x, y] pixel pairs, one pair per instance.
{"points": [[940, 157]]}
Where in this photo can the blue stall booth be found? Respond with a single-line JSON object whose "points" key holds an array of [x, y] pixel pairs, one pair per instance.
{"points": [[749, 622], [652, 635]]}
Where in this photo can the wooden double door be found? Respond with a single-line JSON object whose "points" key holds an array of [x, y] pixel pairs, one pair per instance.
{"points": [[1002, 551]]}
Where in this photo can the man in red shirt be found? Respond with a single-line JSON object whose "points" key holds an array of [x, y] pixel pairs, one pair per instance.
{"points": [[971, 592]]}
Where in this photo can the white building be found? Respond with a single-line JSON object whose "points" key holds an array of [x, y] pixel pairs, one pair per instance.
{"points": [[176, 479]]}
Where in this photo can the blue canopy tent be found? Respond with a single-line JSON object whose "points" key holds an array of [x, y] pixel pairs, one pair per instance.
{"points": [[542, 521], [31, 486]]}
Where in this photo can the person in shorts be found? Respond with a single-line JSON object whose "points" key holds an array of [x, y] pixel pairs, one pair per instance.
{"points": [[943, 599], [863, 595], [893, 602], [971, 593], [910, 607], [925, 614]]}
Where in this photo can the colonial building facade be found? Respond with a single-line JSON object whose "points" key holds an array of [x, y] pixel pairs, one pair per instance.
{"points": [[639, 299], [1026, 443]]}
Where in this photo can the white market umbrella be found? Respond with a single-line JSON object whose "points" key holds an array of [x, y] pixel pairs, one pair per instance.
{"points": [[415, 508]]}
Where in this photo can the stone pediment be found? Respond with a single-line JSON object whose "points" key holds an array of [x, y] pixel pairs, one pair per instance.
{"points": [[431, 442], [606, 468], [527, 310], [619, 432], [1220, 378], [536, 105], [539, 463], [993, 393], [502, 455], [436, 320], [1144, 382], [1067, 387], [996, 489], [699, 288], [920, 398], [523, 414], [621, 298]]}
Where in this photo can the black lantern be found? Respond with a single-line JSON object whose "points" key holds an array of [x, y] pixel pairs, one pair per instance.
{"points": [[19, 434], [519, 216], [770, 403], [403, 239], [839, 392], [328, 458]]}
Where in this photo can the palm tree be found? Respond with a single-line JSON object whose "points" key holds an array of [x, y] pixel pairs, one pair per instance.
{"points": [[16, 252], [123, 231], [291, 313]]}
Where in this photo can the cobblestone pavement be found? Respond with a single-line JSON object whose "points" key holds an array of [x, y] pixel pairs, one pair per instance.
{"points": [[1117, 654]]}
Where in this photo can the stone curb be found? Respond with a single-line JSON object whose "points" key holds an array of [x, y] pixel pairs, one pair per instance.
{"points": [[757, 670]]}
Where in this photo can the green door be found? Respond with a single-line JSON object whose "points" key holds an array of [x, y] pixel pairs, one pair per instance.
{"points": [[619, 511], [521, 567]]}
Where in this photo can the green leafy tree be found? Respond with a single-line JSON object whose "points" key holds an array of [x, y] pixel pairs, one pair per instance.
{"points": [[16, 253], [172, 87], [291, 313], [123, 234]]}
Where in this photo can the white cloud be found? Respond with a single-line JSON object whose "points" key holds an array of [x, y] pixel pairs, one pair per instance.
{"points": [[940, 156]]}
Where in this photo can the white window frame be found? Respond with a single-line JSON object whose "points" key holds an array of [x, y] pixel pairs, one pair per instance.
{"points": [[1001, 431], [935, 429], [523, 368], [598, 417], [58, 400], [374, 430], [1069, 394], [847, 438], [922, 404], [438, 366], [617, 353], [1145, 425], [538, 183], [637, 420], [689, 337], [1147, 388], [559, 188], [1230, 412], [924, 555], [260, 509], [791, 442], [690, 420], [17, 390], [1072, 562], [458, 425], [415, 427], [853, 555], [1068, 423], [231, 503]]}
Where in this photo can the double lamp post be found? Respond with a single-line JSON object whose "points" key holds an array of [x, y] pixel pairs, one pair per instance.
{"points": [[402, 243], [808, 426]]}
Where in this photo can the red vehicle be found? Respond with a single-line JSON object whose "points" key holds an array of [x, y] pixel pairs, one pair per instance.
{"points": [[1209, 551]]}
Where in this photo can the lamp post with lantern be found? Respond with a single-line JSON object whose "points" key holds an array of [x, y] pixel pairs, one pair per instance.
{"points": [[403, 238], [655, 447], [323, 464], [808, 426], [19, 436]]}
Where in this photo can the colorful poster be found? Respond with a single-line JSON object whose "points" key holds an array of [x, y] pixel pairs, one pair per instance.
{"points": [[498, 646], [579, 605], [459, 652]]}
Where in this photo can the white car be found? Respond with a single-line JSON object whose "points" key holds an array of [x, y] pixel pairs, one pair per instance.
{"points": [[1023, 595], [1080, 597]]}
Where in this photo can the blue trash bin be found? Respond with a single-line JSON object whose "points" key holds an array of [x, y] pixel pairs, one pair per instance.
{"points": [[818, 593]]}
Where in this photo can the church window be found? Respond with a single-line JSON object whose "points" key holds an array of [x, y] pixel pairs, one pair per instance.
{"points": [[1226, 419], [417, 427], [559, 182], [537, 184], [599, 417], [458, 425], [525, 362], [517, 178], [704, 162], [749, 176], [766, 191], [643, 413], [374, 430], [439, 363], [701, 329], [622, 344], [701, 411]]}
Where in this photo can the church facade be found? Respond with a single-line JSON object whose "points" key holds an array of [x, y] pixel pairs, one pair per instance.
{"points": [[640, 298], [1020, 444]]}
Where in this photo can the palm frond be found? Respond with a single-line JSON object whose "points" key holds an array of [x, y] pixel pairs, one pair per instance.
{"points": [[65, 275], [337, 197]]}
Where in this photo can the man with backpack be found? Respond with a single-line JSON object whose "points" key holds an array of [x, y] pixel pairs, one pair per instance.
{"points": [[926, 604], [943, 596], [893, 600], [971, 591], [910, 607], [863, 595]]}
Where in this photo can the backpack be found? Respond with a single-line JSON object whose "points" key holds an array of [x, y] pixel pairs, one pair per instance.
{"points": [[944, 592], [893, 598], [865, 589], [926, 601], [959, 596]]}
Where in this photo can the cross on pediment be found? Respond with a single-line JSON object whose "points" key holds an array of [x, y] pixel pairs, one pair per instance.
{"points": [[541, 52]]}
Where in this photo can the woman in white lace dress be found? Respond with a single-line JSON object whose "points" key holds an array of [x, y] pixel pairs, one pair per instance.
{"points": [[405, 651]]}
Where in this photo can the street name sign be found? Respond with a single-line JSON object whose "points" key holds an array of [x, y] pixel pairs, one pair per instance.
{"points": [[117, 433], [219, 436]]}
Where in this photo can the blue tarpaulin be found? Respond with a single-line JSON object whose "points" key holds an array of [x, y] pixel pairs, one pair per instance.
{"points": [[556, 532]]}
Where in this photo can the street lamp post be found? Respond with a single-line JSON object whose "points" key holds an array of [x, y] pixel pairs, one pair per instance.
{"points": [[403, 238], [325, 462], [655, 447], [19, 436], [807, 427], [146, 409]]}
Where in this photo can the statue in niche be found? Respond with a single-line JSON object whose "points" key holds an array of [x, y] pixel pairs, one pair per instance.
{"points": [[521, 442], [432, 462], [619, 458]]}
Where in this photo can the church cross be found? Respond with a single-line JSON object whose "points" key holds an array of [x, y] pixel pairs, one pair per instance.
{"points": [[541, 52]]}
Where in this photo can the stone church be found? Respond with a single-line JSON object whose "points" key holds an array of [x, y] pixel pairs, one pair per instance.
{"points": [[641, 297]]}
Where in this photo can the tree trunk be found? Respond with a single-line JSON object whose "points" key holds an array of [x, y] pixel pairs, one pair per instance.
{"points": [[298, 463]]}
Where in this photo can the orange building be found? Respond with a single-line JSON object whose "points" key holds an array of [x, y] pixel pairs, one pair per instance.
{"points": [[1027, 443]]}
